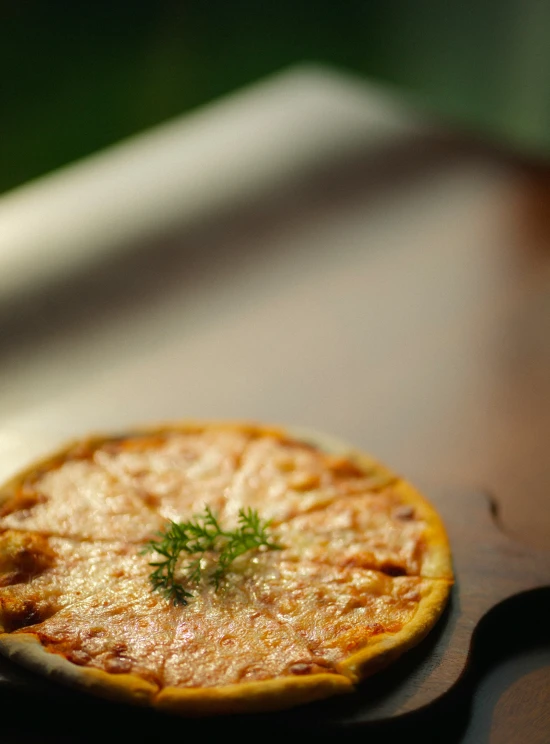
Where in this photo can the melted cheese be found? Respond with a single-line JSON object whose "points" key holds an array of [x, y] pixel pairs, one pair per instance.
{"points": [[367, 531], [122, 628], [71, 571], [282, 479], [334, 610], [76, 570], [225, 638], [80, 499]]}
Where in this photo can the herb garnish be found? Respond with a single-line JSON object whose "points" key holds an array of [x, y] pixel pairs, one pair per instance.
{"points": [[197, 537]]}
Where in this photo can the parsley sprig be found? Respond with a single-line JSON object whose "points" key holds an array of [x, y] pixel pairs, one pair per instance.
{"points": [[197, 538]]}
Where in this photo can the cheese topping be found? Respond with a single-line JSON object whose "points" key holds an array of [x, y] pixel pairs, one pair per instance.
{"points": [[72, 574]]}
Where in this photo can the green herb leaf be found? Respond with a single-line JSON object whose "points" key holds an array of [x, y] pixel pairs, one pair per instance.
{"points": [[197, 538]]}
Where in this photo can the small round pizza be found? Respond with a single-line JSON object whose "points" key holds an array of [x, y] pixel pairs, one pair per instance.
{"points": [[206, 568]]}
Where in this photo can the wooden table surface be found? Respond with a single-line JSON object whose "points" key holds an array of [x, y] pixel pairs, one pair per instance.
{"points": [[400, 301]]}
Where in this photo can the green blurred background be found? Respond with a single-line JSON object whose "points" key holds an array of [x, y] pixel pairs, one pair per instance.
{"points": [[76, 77]]}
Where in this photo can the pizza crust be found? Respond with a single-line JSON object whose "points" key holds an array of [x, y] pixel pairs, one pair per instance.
{"points": [[385, 648], [26, 649], [252, 697], [437, 562]]}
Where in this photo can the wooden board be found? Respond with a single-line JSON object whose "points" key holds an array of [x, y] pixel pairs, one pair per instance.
{"points": [[490, 569]]}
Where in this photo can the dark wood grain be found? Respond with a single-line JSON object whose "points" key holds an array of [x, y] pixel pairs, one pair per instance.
{"points": [[521, 709]]}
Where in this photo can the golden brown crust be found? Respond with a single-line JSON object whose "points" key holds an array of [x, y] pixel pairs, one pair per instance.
{"points": [[250, 697], [386, 647], [437, 563], [26, 649], [377, 651]]}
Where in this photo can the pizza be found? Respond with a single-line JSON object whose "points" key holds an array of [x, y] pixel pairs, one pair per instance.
{"points": [[320, 567]]}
